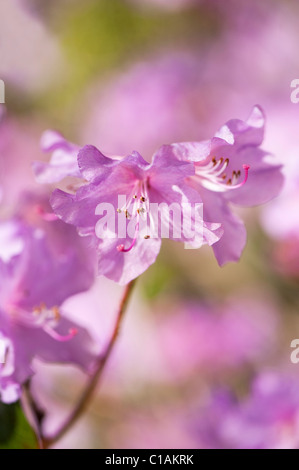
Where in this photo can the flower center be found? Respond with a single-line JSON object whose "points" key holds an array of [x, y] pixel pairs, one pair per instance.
{"points": [[45, 318], [136, 206], [216, 177]]}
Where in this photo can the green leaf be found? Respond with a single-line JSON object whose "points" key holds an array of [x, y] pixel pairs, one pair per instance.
{"points": [[15, 431]]}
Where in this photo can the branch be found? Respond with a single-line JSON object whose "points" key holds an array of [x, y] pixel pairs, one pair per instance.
{"points": [[97, 374]]}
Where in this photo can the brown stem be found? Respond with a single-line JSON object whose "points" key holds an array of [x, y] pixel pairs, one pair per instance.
{"points": [[36, 414], [97, 374]]}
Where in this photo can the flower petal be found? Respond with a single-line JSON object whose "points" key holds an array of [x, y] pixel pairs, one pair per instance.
{"points": [[233, 240], [63, 162]]}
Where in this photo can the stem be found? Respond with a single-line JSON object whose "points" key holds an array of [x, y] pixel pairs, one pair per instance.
{"points": [[97, 374], [37, 415]]}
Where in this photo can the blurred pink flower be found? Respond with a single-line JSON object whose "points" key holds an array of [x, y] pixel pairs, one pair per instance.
{"points": [[183, 96], [211, 339], [19, 144], [152, 103], [280, 218], [268, 418], [22, 44], [41, 264]]}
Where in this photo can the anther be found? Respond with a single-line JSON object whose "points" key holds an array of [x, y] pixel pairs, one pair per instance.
{"points": [[56, 312]]}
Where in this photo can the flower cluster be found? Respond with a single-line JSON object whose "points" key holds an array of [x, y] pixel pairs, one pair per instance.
{"points": [[42, 263], [229, 168]]}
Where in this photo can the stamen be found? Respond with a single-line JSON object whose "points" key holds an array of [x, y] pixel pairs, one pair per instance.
{"points": [[44, 318], [56, 313], [39, 309], [224, 166], [214, 178], [137, 208]]}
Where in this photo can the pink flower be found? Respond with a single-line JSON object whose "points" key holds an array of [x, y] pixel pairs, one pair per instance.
{"points": [[231, 168], [41, 264], [280, 219], [267, 419], [211, 339], [161, 100], [142, 184]]}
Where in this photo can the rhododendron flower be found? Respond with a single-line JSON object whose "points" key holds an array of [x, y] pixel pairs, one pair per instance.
{"points": [[267, 419], [231, 168], [161, 100], [189, 338], [142, 184], [40, 266]]}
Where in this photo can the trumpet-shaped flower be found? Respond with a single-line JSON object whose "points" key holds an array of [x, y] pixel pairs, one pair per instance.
{"points": [[123, 258], [232, 168], [41, 265]]}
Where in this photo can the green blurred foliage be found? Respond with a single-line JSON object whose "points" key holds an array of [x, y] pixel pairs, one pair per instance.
{"points": [[15, 432], [98, 37]]}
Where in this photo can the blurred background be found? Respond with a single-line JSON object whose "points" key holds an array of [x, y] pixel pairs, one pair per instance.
{"points": [[204, 355]]}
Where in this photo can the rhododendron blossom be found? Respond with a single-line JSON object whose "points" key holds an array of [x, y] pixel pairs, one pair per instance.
{"points": [[267, 418], [232, 168], [39, 269], [162, 181]]}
